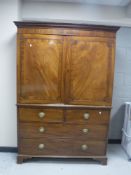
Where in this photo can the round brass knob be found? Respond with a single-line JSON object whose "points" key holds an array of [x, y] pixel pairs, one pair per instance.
{"points": [[86, 116], [85, 130], [84, 147], [41, 129], [41, 146], [100, 112], [41, 114]]}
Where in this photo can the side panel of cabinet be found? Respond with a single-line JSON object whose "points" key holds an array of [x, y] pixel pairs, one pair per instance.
{"points": [[89, 70], [40, 68]]}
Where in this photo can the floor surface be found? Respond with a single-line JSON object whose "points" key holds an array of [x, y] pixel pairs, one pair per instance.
{"points": [[117, 164]]}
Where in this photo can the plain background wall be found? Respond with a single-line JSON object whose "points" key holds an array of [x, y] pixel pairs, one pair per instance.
{"points": [[10, 11], [128, 11], [122, 81], [70, 11], [81, 12]]}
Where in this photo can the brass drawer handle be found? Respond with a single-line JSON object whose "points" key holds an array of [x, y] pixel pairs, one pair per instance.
{"points": [[100, 113], [41, 129], [86, 116], [41, 114], [84, 147], [85, 130], [41, 146]]}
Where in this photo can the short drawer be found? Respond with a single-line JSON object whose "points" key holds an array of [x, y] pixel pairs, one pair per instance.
{"points": [[62, 147], [40, 114], [38, 130], [88, 116]]}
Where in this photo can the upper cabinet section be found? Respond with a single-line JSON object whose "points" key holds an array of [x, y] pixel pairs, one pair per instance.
{"points": [[65, 63]]}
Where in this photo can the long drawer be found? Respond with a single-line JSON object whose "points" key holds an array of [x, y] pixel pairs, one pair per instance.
{"points": [[62, 147], [40, 114], [87, 116], [37, 130]]}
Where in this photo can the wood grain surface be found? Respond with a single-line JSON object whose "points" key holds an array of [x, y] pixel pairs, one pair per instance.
{"points": [[93, 132], [95, 116], [89, 66], [65, 147], [40, 65], [51, 115]]}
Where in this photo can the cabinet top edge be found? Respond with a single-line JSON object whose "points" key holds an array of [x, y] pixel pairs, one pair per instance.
{"points": [[30, 24]]}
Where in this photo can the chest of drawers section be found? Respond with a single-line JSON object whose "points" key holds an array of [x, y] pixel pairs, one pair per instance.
{"points": [[62, 132]]}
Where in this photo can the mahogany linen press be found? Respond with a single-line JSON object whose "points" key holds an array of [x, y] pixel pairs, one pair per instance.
{"points": [[64, 89]]}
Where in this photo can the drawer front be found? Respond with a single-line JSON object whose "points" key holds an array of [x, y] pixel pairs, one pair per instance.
{"points": [[62, 147], [40, 114], [37, 130], [88, 116]]}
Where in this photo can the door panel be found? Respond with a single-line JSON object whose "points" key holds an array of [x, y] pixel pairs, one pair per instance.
{"points": [[40, 79], [89, 70]]}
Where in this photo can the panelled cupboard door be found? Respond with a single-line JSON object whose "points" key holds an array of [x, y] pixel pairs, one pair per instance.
{"points": [[89, 70], [39, 68]]}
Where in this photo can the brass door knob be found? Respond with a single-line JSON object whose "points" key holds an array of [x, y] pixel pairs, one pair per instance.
{"points": [[41, 114], [41, 129], [86, 116], [85, 130], [41, 146], [84, 147]]}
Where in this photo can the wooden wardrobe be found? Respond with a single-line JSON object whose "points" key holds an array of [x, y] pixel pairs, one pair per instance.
{"points": [[64, 89]]}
